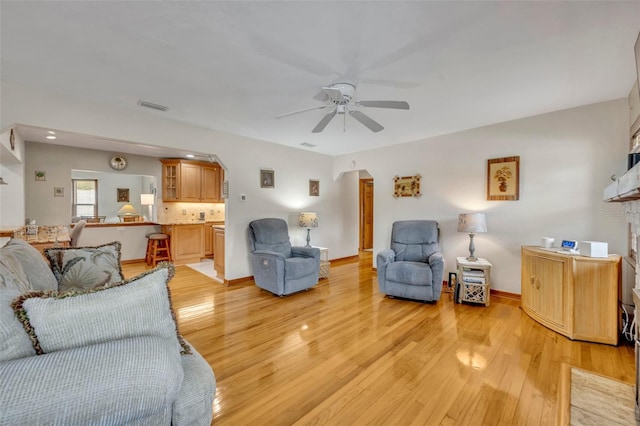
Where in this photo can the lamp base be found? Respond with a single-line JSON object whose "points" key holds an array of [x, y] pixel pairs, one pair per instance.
{"points": [[308, 237], [472, 259]]}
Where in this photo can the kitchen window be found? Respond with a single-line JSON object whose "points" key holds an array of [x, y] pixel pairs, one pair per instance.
{"points": [[85, 196]]}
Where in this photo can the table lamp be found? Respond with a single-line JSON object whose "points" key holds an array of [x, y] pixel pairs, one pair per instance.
{"points": [[308, 220], [472, 223], [127, 211], [148, 200]]}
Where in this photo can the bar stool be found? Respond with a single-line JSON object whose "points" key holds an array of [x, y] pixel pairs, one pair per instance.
{"points": [[158, 248]]}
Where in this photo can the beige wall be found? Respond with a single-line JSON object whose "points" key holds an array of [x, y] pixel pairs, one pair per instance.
{"points": [[566, 160]]}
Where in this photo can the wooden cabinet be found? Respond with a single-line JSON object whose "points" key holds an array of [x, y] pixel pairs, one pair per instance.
{"points": [[208, 240], [191, 181], [576, 296], [187, 242], [218, 244]]}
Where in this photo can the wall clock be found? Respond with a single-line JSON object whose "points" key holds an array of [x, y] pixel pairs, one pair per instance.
{"points": [[118, 162]]}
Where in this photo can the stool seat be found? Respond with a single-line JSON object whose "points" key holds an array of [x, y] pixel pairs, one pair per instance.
{"points": [[158, 236], [158, 248]]}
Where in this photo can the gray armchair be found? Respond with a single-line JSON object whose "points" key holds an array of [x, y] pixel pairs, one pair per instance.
{"points": [[279, 267], [413, 267]]}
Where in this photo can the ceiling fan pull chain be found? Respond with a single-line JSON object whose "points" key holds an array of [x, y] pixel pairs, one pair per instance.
{"points": [[344, 123]]}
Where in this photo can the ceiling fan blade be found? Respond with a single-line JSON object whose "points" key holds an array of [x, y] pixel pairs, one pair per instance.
{"points": [[372, 125], [384, 104], [286, 114], [323, 123]]}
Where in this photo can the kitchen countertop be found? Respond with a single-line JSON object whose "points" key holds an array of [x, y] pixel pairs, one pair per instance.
{"points": [[191, 222]]}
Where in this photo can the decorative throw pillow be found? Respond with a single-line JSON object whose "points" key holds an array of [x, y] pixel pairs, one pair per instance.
{"points": [[140, 306], [83, 268], [37, 270], [14, 343]]}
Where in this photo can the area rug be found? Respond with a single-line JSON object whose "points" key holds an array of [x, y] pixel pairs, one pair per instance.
{"points": [[592, 399], [205, 267]]}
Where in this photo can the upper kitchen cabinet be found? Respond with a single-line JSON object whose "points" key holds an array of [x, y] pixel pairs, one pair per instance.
{"points": [[191, 181]]}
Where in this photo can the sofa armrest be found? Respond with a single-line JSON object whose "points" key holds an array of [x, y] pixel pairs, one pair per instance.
{"points": [[436, 261], [194, 401], [299, 251], [385, 257]]}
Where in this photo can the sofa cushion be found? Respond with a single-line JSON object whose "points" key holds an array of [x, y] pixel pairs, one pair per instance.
{"points": [[123, 382], [35, 266], [14, 342], [140, 306], [82, 268], [414, 273]]}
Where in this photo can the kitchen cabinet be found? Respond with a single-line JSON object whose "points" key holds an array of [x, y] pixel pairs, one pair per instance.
{"points": [[187, 242], [218, 244], [577, 296], [191, 181], [208, 240]]}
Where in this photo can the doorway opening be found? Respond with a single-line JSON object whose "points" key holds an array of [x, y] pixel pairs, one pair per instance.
{"points": [[366, 214]]}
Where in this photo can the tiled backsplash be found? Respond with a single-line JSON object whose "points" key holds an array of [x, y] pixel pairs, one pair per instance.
{"points": [[175, 212]]}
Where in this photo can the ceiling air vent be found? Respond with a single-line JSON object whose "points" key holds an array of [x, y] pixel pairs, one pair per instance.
{"points": [[152, 105], [308, 145]]}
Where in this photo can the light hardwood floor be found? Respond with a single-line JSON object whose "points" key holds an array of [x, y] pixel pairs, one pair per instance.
{"points": [[343, 354]]}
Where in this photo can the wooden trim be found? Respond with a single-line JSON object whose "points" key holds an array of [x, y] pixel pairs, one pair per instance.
{"points": [[126, 262], [505, 294], [241, 280], [347, 259]]}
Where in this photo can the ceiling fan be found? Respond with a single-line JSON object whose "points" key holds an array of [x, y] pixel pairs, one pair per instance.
{"points": [[340, 96]]}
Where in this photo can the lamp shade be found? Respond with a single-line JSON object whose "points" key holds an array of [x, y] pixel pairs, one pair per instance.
{"points": [[308, 220], [472, 222], [127, 210], [146, 199]]}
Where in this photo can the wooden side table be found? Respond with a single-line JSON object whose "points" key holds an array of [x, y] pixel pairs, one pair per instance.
{"points": [[325, 265], [474, 278]]}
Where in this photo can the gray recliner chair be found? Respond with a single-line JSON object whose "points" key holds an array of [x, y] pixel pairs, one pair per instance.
{"points": [[413, 267], [279, 267]]}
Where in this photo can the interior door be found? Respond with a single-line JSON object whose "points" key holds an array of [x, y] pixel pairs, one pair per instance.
{"points": [[366, 214]]}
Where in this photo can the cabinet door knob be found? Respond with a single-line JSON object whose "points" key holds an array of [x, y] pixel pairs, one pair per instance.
{"points": [[538, 284]]}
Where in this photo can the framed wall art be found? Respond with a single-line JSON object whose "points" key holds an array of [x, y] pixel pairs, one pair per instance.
{"points": [[41, 175], [314, 188], [503, 178], [123, 195], [407, 186], [58, 191], [267, 179]]}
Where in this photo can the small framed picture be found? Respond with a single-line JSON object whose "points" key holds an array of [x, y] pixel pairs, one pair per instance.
{"points": [[41, 175], [58, 191], [267, 179], [314, 188], [123, 195], [503, 179]]}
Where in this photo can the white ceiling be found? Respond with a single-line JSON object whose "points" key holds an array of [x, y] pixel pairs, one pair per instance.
{"points": [[233, 66]]}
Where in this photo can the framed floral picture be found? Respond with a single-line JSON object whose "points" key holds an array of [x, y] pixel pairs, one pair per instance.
{"points": [[58, 191], [503, 178]]}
